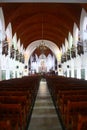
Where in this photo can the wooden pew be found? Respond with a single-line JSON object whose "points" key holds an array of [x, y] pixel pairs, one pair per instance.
{"points": [[17, 100], [18, 93], [64, 99], [61, 88], [72, 111], [5, 125], [13, 95], [82, 122], [12, 110]]}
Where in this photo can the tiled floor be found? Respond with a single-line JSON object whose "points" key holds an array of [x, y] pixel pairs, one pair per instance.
{"points": [[44, 116]]}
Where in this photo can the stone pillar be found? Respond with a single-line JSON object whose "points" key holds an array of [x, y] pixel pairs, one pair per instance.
{"points": [[79, 73]]}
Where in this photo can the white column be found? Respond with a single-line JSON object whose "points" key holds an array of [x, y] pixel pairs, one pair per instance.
{"points": [[67, 72], [72, 72], [7, 62], [72, 68], [7, 74], [85, 65], [86, 73], [78, 73], [0, 72]]}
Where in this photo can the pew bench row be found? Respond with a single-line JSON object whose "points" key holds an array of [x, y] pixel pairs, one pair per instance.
{"points": [[70, 99], [16, 102]]}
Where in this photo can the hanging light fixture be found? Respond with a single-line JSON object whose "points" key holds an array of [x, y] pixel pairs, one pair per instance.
{"points": [[42, 47]]}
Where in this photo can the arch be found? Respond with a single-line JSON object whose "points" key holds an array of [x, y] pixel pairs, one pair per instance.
{"points": [[14, 41], [75, 34], [50, 62], [18, 44], [2, 25], [42, 56], [52, 46], [2, 19], [85, 28], [70, 39], [82, 19], [9, 33], [63, 49], [21, 48], [66, 45]]}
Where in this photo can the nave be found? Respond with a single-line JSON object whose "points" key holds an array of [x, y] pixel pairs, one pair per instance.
{"points": [[44, 116], [29, 103]]}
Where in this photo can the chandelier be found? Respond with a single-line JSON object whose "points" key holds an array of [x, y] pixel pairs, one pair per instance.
{"points": [[42, 47]]}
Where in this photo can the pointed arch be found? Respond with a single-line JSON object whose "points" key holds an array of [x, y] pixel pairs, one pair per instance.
{"points": [[75, 34], [9, 33], [18, 44], [52, 46], [66, 44], [63, 49], [2, 19], [70, 39], [82, 26], [14, 41]]}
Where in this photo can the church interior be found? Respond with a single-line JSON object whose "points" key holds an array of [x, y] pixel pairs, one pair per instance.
{"points": [[43, 66]]}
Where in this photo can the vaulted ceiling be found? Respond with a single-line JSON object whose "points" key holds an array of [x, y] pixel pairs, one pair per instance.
{"points": [[57, 20]]}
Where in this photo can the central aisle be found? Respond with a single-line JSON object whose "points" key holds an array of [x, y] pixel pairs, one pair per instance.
{"points": [[44, 115]]}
